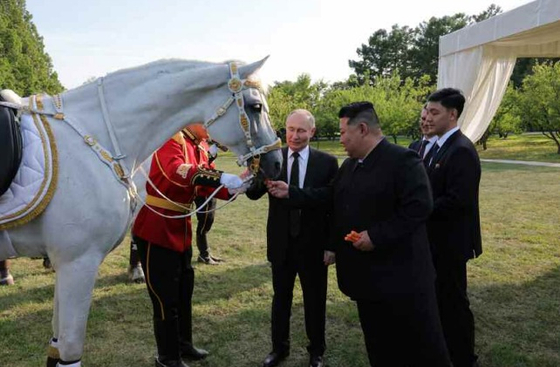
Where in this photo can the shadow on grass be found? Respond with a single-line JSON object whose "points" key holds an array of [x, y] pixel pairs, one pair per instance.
{"points": [[518, 325]]}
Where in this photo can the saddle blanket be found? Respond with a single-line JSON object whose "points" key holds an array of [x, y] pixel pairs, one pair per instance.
{"points": [[35, 181]]}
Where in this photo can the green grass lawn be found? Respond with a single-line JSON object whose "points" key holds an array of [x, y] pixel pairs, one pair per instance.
{"points": [[514, 291], [523, 147]]}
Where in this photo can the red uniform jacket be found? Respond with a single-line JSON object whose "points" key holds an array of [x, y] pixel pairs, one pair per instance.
{"points": [[181, 171]]}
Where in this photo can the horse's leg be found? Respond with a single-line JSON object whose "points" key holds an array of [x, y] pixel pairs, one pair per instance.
{"points": [[53, 355], [74, 286]]}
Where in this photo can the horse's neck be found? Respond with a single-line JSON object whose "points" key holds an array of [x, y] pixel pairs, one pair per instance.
{"points": [[144, 111]]}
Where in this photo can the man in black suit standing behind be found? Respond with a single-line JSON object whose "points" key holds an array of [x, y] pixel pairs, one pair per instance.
{"points": [[424, 145], [454, 226], [296, 241], [382, 193]]}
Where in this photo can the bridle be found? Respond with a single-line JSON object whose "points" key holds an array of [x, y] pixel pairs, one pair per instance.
{"points": [[237, 85]]}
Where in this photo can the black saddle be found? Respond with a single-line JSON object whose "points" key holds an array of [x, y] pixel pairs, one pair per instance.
{"points": [[11, 147]]}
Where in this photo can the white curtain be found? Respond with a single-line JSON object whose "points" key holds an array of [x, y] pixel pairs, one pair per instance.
{"points": [[479, 59]]}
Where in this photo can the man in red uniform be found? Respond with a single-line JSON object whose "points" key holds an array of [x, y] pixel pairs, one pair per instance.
{"points": [[164, 242], [197, 139], [207, 154]]}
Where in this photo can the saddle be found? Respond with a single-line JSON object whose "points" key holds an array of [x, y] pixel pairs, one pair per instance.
{"points": [[11, 147]]}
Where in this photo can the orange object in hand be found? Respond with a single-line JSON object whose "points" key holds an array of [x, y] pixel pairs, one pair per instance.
{"points": [[353, 236]]}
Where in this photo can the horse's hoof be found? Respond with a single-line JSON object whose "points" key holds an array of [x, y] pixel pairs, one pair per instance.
{"points": [[136, 274], [47, 263], [7, 280]]}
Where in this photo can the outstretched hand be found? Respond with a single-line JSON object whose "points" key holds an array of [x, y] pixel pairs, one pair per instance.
{"points": [[278, 189], [247, 178], [364, 242], [231, 181]]}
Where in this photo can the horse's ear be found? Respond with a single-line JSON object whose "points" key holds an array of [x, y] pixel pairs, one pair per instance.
{"points": [[246, 70]]}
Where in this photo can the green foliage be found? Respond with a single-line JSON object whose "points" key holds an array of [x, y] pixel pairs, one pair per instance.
{"points": [[413, 52], [25, 67], [507, 119], [538, 101], [286, 96], [397, 102], [385, 53], [425, 47], [513, 288]]}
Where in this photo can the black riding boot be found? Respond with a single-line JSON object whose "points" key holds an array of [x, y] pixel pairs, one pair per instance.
{"points": [[167, 333], [188, 350]]}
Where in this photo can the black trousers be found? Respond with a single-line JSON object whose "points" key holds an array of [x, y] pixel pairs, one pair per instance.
{"points": [[205, 221], [313, 278], [403, 331], [454, 309], [170, 283]]}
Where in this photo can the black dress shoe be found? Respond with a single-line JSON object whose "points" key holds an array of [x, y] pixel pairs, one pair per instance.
{"points": [[193, 353], [274, 358], [316, 361]]}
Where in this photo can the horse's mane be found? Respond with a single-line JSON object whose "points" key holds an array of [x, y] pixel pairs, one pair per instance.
{"points": [[183, 64], [179, 63]]}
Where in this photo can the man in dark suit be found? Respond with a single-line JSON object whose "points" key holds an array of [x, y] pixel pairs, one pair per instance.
{"points": [[423, 146], [382, 193], [296, 241], [454, 226]]}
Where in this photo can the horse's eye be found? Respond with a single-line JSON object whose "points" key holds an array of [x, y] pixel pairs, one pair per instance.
{"points": [[257, 107]]}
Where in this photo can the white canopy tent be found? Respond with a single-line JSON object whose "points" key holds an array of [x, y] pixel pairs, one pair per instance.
{"points": [[479, 59]]}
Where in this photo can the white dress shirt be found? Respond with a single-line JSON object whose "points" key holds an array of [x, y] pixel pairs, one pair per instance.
{"points": [[303, 159]]}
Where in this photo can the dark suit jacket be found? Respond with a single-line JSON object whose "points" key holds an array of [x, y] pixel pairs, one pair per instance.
{"points": [[415, 145], [454, 226], [389, 196], [321, 169]]}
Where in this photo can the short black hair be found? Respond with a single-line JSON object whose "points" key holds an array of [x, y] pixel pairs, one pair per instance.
{"points": [[360, 112], [449, 98]]}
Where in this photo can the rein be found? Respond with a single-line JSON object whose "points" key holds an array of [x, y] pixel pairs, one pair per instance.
{"points": [[235, 84], [190, 212]]}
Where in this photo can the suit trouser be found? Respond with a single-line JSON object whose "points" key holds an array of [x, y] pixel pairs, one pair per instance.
{"points": [[170, 283], [403, 331], [313, 278], [205, 221], [454, 309]]}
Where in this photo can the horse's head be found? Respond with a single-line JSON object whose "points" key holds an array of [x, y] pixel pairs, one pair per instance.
{"points": [[252, 137]]}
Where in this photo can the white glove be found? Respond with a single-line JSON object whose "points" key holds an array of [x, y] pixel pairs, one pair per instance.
{"points": [[213, 151], [231, 181], [240, 190]]}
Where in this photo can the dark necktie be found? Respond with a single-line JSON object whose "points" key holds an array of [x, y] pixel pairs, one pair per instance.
{"points": [[434, 151], [423, 146], [295, 214]]}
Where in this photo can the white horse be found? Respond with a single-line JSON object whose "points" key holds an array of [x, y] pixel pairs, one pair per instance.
{"points": [[131, 112]]}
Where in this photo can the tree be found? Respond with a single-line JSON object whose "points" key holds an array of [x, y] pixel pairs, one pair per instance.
{"points": [[424, 53], [506, 120], [397, 103], [286, 96], [25, 67], [491, 11], [385, 53], [412, 52], [538, 104]]}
